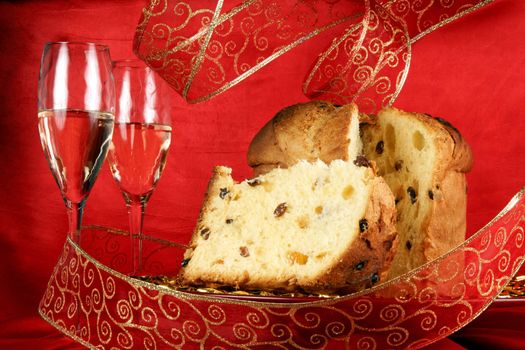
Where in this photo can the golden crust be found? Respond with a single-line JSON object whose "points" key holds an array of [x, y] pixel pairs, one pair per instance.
{"points": [[309, 131], [445, 234], [447, 222]]}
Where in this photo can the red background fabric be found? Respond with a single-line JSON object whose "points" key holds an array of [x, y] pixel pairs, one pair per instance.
{"points": [[470, 72]]}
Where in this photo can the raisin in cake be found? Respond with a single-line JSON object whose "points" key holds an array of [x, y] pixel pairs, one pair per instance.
{"points": [[306, 131], [312, 227], [423, 160]]}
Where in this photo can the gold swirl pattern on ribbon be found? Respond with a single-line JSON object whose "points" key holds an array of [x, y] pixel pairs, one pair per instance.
{"points": [[202, 51], [103, 309]]}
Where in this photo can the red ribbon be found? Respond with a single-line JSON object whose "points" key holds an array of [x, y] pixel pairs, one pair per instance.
{"points": [[88, 300], [202, 51]]}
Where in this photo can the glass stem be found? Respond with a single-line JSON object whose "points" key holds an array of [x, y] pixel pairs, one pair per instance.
{"points": [[136, 222], [74, 213]]}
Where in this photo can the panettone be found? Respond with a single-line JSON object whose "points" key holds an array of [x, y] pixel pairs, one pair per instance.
{"points": [[320, 214], [423, 160]]}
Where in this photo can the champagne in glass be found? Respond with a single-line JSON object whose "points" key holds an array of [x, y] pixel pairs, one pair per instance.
{"points": [[141, 139], [137, 158], [75, 119]]}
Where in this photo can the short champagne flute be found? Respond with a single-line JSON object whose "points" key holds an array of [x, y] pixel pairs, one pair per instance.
{"points": [[76, 101], [141, 140]]}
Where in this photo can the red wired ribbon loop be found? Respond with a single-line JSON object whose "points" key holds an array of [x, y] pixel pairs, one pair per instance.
{"points": [[203, 50]]}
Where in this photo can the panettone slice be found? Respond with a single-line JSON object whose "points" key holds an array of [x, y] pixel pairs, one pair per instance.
{"points": [[311, 227]]}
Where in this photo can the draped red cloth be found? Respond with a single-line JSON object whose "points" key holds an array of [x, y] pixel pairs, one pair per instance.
{"points": [[469, 72]]}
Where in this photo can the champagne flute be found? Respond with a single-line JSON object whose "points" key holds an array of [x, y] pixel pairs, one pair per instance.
{"points": [[76, 98], [142, 136]]}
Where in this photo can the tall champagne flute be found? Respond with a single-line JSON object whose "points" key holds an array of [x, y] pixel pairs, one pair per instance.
{"points": [[142, 136], [76, 102]]}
